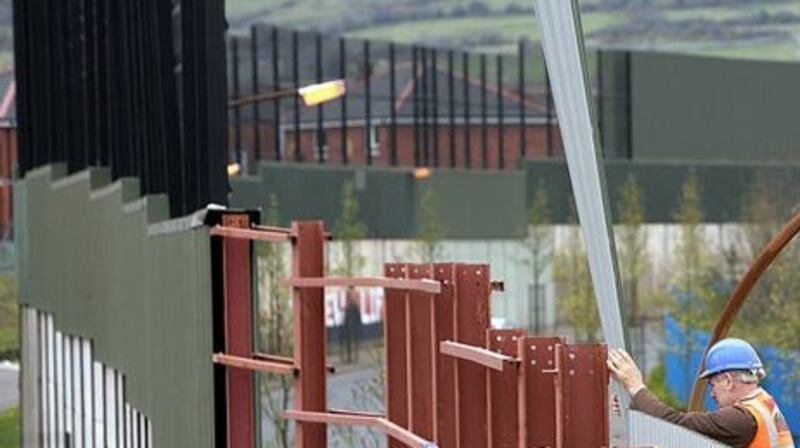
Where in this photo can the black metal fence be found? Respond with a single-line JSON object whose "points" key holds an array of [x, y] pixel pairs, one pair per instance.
{"points": [[406, 105], [138, 87], [436, 100]]}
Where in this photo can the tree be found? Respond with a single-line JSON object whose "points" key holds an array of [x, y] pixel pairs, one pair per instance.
{"points": [[348, 230], [696, 303], [275, 328], [632, 244], [765, 209], [577, 304], [430, 230], [539, 243]]}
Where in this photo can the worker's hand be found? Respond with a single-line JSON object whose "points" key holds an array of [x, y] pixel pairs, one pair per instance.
{"points": [[624, 370]]}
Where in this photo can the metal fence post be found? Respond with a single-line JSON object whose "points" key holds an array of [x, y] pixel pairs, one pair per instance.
{"points": [[392, 105], [256, 90], [467, 128], [237, 110], [522, 134], [451, 107], [501, 162], [321, 137], [276, 86], [415, 100], [343, 122], [484, 117], [435, 88], [368, 103], [298, 156]]}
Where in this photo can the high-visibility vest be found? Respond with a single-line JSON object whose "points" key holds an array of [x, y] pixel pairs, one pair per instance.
{"points": [[773, 431]]}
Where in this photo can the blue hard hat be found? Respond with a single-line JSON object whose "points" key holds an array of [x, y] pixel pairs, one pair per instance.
{"points": [[731, 354]]}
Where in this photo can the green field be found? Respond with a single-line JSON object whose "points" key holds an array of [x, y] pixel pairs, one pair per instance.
{"points": [[510, 27], [491, 27], [9, 333], [9, 428]]}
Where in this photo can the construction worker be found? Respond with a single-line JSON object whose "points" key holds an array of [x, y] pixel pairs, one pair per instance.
{"points": [[747, 416]]}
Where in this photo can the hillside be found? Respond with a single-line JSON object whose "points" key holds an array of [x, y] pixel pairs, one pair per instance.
{"points": [[764, 29]]}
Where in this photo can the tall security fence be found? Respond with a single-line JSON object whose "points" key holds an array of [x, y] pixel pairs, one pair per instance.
{"points": [[138, 87], [406, 105]]}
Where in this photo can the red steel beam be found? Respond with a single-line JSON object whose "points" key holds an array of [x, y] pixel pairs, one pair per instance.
{"points": [[338, 418], [247, 233], [477, 355], [421, 355], [395, 357], [238, 332], [309, 331], [586, 407], [253, 364], [503, 391], [473, 288], [403, 435], [283, 359], [446, 424], [424, 285], [536, 385], [398, 433]]}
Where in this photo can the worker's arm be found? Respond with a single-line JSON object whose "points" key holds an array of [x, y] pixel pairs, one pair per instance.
{"points": [[732, 426]]}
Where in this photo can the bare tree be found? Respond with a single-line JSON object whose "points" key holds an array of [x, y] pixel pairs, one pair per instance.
{"points": [[275, 329], [577, 306], [539, 244]]}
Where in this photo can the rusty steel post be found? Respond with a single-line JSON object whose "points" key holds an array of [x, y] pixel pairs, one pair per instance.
{"points": [[394, 335], [446, 434], [585, 395], [537, 422], [473, 288], [421, 353], [238, 333], [503, 391], [309, 331]]}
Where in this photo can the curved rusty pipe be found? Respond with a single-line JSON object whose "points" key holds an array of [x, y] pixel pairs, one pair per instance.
{"points": [[737, 297]]}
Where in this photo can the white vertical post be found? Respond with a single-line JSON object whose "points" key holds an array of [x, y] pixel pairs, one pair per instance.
{"points": [[51, 385], [111, 407], [99, 404], [77, 387], [68, 433], [87, 388]]}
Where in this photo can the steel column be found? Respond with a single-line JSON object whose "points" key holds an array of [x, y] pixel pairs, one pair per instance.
{"points": [[309, 331], [537, 422], [446, 423], [394, 330], [473, 288], [238, 334], [421, 353], [503, 391], [585, 389]]}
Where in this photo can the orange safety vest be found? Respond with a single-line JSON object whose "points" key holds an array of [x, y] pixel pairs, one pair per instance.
{"points": [[772, 432]]}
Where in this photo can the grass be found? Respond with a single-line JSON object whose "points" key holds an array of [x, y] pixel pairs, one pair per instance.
{"points": [[497, 32], [9, 428], [509, 27], [715, 14], [8, 316], [769, 52]]}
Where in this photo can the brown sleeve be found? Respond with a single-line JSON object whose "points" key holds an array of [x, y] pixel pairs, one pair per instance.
{"points": [[731, 425]]}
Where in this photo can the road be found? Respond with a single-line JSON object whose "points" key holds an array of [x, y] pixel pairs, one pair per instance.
{"points": [[9, 392]]}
